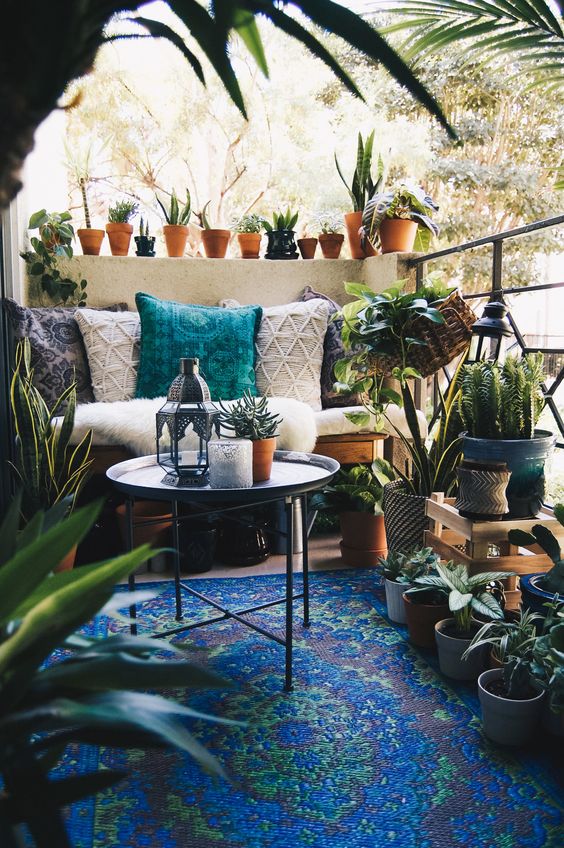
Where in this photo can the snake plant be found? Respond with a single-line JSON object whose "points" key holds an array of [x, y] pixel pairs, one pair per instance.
{"points": [[281, 221], [363, 186], [49, 469]]}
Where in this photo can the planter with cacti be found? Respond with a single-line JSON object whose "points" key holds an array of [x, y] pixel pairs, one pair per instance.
{"points": [[175, 229], [250, 418], [249, 235], [118, 228], [144, 242]]}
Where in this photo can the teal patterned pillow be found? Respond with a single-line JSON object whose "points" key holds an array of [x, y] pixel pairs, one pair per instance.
{"points": [[222, 339]]}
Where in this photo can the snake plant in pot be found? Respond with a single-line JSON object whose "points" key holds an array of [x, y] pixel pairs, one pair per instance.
{"points": [[499, 406], [60, 688], [250, 418], [356, 496], [363, 185], [400, 570]]}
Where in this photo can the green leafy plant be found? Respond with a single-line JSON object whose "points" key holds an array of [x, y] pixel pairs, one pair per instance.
{"points": [[553, 580], [513, 638], [363, 185], [249, 418], [382, 326], [176, 214], [328, 222], [404, 567], [466, 594], [281, 221], [547, 666], [502, 402], [248, 224], [55, 236], [407, 201], [356, 489], [122, 212], [49, 469], [93, 692]]}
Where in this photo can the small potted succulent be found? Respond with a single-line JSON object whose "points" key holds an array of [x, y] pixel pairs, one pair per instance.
{"points": [[466, 595], [330, 238], [499, 406], [215, 241], [399, 220], [249, 234], [175, 229], [280, 234], [118, 228], [307, 245], [361, 189], [400, 570], [539, 589], [90, 238], [356, 496], [144, 242], [249, 418]]}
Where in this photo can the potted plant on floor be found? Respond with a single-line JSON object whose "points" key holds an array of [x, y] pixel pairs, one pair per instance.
{"points": [[249, 418], [90, 238], [215, 240], [249, 233], [118, 228], [280, 234], [511, 704], [539, 589], [360, 191], [49, 470], [55, 240], [423, 609], [399, 221], [175, 229], [547, 667], [466, 594], [144, 242], [356, 496], [499, 406], [330, 238], [510, 637], [400, 570]]}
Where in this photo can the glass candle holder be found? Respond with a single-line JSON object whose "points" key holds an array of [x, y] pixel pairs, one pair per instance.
{"points": [[231, 463]]}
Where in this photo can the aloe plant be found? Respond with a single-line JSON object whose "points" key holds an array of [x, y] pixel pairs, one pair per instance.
{"points": [[94, 692], [49, 469], [363, 186], [553, 580], [281, 221], [249, 418], [176, 214]]}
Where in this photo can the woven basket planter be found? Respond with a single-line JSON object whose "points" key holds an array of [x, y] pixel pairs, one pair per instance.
{"points": [[442, 341], [404, 517]]}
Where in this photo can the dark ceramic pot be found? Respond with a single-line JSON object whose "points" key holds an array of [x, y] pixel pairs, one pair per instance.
{"points": [[533, 595], [145, 245], [243, 542], [281, 245], [197, 547]]}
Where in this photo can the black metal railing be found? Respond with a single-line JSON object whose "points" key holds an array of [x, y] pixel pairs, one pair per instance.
{"points": [[552, 347]]}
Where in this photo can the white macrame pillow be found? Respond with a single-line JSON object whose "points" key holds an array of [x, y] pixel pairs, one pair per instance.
{"points": [[111, 340], [290, 351]]}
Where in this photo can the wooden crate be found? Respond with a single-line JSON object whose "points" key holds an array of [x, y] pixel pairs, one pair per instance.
{"points": [[454, 537]]}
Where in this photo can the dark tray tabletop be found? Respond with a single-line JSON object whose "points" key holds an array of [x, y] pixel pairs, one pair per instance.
{"points": [[293, 473]]}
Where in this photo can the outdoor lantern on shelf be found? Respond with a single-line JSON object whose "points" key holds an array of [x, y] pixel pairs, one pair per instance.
{"points": [[187, 405], [489, 334]]}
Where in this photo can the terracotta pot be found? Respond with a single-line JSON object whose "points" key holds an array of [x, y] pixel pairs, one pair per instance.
{"points": [[421, 620], [397, 235], [119, 236], [67, 563], [249, 245], [215, 243], [263, 454], [91, 241], [157, 535], [307, 247], [364, 538], [353, 220], [175, 236], [331, 244]]}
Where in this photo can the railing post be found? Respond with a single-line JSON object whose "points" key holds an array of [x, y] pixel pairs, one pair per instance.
{"points": [[497, 271]]}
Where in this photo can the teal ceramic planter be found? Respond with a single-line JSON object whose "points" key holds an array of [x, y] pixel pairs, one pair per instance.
{"points": [[525, 458]]}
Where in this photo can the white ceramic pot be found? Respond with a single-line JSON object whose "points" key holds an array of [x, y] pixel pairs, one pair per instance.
{"points": [[506, 721], [394, 600], [450, 650]]}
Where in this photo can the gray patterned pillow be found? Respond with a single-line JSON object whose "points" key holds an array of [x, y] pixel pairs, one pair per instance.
{"points": [[333, 350], [58, 355]]}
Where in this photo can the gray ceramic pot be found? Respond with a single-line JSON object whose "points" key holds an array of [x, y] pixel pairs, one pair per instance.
{"points": [[394, 600], [506, 721], [450, 650]]}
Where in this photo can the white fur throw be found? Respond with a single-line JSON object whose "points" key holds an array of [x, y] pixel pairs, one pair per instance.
{"points": [[132, 424]]}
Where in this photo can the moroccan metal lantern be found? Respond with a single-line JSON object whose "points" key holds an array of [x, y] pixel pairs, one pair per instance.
{"points": [[489, 334], [187, 405]]}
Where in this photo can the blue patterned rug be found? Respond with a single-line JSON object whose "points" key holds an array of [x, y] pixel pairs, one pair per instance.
{"points": [[373, 748]]}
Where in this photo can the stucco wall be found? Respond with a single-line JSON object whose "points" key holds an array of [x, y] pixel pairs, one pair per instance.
{"points": [[117, 278]]}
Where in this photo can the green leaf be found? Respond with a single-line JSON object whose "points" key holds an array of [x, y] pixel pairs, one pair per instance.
{"points": [[361, 419], [520, 537], [458, 600], [38, 219]]}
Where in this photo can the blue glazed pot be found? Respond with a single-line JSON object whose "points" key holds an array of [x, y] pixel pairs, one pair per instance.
{"points": [[525, 458], [533, 596]]}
